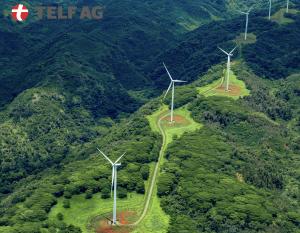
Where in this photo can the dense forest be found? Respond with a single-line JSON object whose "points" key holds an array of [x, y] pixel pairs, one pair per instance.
{"points": [[39, 195], [239, 162]]}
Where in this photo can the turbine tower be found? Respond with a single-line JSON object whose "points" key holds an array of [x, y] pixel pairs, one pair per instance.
{"points": [[270, 9], [228, 65], [287, 6], [172, 84], [115, 166], [247, 20]]}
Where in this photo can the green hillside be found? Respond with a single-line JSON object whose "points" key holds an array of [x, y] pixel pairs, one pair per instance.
{"points": [[229, 163]]}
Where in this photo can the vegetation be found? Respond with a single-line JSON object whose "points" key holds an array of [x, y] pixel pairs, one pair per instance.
{"points": [[230, 164], [82, 210], [237, 88], [276, 59], [280, 18], [234, 151], [60, 187]]}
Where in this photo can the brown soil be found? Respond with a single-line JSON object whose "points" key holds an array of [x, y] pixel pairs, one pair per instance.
{"points": [[124, 218], [178, 121], [233, 90]]}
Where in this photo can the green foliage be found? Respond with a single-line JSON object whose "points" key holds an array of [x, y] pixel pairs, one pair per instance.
{"points": [[166, 184], [122, 193], [223, 111], [183, 96], [89, 194], [207, 191], [60, 216], [78, 91], [145, 171], [105, 193], [275, 60], [262, 99], [228, 176], [66, 204]]}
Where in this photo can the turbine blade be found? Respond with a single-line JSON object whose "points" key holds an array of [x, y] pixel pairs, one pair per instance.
{"points": [[168, 72], [105, 156], [233, 50], [250, 9], [168, 90], [179, 81], [120, 158], [223, 51], [242, 12]]}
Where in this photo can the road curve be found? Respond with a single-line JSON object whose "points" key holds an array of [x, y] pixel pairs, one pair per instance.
{"points": [[155, 174]]}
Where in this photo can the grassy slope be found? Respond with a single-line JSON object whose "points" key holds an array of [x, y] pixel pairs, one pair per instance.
{"points": [[251, 39], [211, 89], [156, 220], [279, 17], [82, 210]]}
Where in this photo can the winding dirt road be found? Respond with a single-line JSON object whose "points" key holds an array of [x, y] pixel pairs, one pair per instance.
{"points": [[155, 174]]}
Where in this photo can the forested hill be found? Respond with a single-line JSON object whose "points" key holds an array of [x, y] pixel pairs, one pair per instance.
{"points": [[275, 54], [118, 46], [82, 85], [57, 77]]}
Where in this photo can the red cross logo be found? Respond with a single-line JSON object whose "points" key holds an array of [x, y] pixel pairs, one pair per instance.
{"points": [[19, 12]]}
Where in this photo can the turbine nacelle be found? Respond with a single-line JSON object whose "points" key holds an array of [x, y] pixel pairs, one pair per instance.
{"points": [[246, 12], [172, 85], [230, 54], [114, 166], [172, 80]]}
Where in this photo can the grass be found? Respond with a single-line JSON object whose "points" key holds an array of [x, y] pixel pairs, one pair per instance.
{"points": [[156, 220], [6, 229], [240, 40], [264, 116], [155, 117], [279, 17], [176, 129], [83, 210], [237, 88]]}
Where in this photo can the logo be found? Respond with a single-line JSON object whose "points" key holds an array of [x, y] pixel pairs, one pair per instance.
{"points": [[69, 12], [19, 12]]}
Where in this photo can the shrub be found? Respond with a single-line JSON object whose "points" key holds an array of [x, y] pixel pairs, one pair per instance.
{"points": [[105, 194], [60, 216], [66, 204]]}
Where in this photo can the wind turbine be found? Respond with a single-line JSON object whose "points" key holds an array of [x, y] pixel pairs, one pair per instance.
{"points": [[115, 166], [287, 6], [172, 84], [228, 65], [247, 20], [270, 9]]}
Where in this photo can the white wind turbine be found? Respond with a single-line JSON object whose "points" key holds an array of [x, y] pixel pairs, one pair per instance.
{"points": [[115, 166], [247, 20], [228, 65], [270, 9], [172, 84]]}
